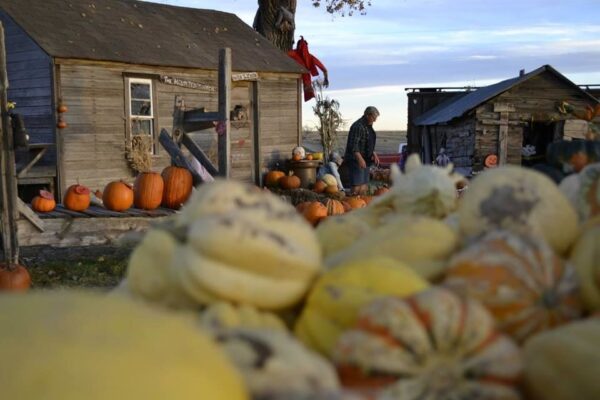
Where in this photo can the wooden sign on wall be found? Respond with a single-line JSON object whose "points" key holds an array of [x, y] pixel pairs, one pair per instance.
{"points": [[170, 80]]}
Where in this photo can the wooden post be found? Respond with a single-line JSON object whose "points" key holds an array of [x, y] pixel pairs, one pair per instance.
{"points": [[8, 179], [256, 133], [504, 109], [224, 131], [178, 112]]}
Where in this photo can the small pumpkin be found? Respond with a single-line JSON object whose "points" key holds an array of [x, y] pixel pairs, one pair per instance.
{"points": [[315, 212], [381, 190], [432, 345], [178, 186], [299, 151], [44, 202], [319, 186], [289, 182], [520, 279], [583, 191], [296, 157], [14, 279], [117, 196], [77, 198], [331, 189], [148, 190], [334, 207], [61, 124], [62, 109], [309, 157], [356, 202], [329, 180], [272, 178]]}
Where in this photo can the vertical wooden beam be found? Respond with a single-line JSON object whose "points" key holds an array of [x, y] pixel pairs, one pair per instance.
{"points": [[224, 130], [503, 139], [58, 138], [256, 133], [178, 114], [8, 179]]}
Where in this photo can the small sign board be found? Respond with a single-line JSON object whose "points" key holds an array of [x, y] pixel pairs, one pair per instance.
{"points": [[170, 80], [245, 76]]}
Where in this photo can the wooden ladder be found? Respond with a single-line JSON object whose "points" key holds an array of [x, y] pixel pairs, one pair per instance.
{"points": [[196, 119]]}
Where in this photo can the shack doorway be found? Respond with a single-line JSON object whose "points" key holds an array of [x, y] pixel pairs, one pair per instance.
{"points": [[536, 138]]}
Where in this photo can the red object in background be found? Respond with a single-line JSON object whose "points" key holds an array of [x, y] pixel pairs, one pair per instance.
{"points": [[311, 63]]}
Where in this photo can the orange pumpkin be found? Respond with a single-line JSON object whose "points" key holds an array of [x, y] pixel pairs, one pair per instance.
{"points": [[319, 186], [14, 279], [356, 202], [296, 157], [347, 207], [272, 178], [579, 160], [44, 202], [117, 196], [300, 207], [77, 198], [520, 279], [309, 157], [290, 182], [334, 207], [367, 199], [431, 345], [148, 190], [331, 189], [315, 212], [381, 190], [61, 124], [178, 186], [62, 108]]}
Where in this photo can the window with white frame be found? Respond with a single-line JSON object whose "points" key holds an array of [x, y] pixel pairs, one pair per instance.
{"points": [[141, 109]]}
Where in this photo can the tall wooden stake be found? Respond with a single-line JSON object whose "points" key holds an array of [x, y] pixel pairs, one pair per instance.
{"points": [[8, 178], [224, 130]]}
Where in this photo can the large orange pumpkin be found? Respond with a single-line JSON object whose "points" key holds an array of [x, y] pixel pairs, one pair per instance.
{"points": [[148, 190], [178, 186], [315, 212], [14, 279], [432, 345], [272, 178], [334, 207], [44, 202], [117, 196], [77, 198], [290, 182], [520, 279]]}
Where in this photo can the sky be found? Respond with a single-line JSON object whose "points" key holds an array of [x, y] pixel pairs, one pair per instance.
{"points": [[399, 44]]}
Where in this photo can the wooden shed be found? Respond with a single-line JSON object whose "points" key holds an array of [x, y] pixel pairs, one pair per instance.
{"points": [[118, 64], [501, 119]]}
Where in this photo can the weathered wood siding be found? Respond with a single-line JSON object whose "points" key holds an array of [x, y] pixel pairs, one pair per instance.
{"points": [[279, 122], [93, 144], [459, 143], [30, 84]]}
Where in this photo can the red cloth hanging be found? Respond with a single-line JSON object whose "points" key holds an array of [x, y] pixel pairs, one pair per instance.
{"points": [[311, 63]]}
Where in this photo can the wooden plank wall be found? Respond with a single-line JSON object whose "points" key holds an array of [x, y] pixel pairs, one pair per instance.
{"points": [[279, 126], [30, 85], [94, 141]]}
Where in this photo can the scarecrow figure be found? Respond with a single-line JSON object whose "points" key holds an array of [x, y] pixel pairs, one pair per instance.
{"points": [[310, 62]]}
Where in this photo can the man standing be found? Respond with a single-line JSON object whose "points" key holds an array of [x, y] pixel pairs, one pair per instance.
{"points": [[360, 150]]}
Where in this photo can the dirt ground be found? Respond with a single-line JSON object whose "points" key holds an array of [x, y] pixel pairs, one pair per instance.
{"points": [[97, 267]]}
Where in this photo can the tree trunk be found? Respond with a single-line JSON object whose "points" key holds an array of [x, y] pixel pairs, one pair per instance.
{"points": [[275, 20]]}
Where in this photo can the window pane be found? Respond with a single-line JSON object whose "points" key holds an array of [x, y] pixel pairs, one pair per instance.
{"points": [[140, 91], [141, 127], [141, 107]]}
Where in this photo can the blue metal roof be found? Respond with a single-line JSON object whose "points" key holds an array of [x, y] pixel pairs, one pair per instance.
{"points": [[460, 105]]}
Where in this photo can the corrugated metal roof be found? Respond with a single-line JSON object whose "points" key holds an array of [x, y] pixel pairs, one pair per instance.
{"points": [[137, 32], [457, 107]]}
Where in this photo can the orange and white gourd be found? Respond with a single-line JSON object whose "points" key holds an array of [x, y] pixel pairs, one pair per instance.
{"points": [[520, 279], [585, 257], [583, 190], [432, 345]]}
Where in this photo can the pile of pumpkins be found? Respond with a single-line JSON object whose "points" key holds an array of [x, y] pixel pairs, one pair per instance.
{"points": [[421, 294], [279, 179], [169, 189]]}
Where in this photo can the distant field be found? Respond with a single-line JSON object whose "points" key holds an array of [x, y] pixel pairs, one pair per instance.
{"points": [[387, 141]]}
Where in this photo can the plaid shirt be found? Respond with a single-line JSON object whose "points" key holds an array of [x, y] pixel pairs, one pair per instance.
{"points": [[361, 138]]}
